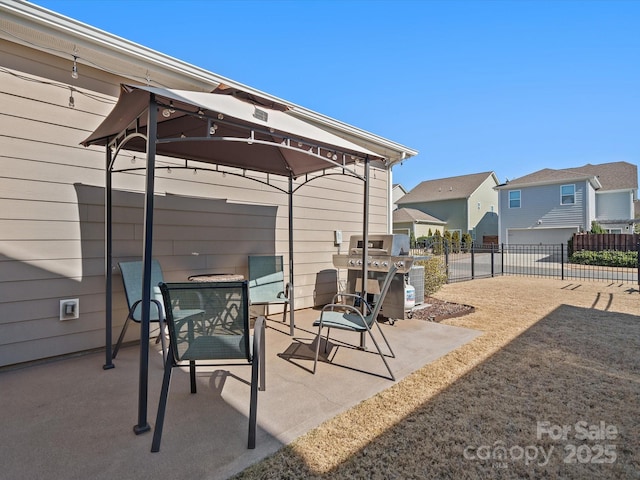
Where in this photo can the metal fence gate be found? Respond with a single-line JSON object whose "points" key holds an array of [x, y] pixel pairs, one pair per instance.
{"points": [[547, 261]]}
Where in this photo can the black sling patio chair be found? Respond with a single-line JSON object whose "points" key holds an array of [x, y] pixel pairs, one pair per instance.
{"points": [[205, 340], [343, 316]]}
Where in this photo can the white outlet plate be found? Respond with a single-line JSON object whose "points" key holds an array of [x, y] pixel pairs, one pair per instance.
{"points": [[65, 304]]}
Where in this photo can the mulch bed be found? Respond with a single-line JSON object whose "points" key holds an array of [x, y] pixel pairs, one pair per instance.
{"points": [[435, 310]]}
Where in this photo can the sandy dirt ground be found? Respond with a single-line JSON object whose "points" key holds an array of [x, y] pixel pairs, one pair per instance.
{"points": [[550, 389]]}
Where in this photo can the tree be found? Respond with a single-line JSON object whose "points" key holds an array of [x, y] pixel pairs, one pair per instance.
{"points": [[597, 228]]}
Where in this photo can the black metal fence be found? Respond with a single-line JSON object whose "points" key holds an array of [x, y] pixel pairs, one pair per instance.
{"points": [[547, 261]]}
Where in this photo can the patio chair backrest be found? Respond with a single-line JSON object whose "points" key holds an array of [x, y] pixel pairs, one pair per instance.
{"points": [[220, 331], [266, 278], [132, 280]]}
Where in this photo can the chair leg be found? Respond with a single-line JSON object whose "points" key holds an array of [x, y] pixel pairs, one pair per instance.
{"points": [[318, 340], [192, 376], [260, 329], [253, 406], [393, 355], [121, 337], [162, 339], [162, 404], [284, 314], [381, 354]]}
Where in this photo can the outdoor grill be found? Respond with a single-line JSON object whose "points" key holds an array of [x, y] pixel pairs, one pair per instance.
{"points": [[383, 251]]}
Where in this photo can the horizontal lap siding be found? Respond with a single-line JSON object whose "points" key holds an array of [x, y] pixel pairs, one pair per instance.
{"points": [[52, 220], [541, 208]]}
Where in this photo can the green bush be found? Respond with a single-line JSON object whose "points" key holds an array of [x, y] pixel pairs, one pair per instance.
{"points": [[435, 274], [455, 242], [605, 258], [467, 240], [437, 243], [596, 227]]}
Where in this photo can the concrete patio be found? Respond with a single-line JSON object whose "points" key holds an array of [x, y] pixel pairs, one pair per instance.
{"points": [[70, 419]]}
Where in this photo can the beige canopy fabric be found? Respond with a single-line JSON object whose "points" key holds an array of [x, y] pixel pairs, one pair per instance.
{"points": [[225, 129]]}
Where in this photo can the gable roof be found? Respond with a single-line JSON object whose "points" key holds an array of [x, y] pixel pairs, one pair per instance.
{"points": [[412, 215], [446, 188], [605, 176]]}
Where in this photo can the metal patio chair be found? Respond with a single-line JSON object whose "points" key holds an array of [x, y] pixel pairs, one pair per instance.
{"points": [[266, 282], [132, 282], [342, 316], [208, 341]]}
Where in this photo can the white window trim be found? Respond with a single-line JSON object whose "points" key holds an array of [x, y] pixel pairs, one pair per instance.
{"points": [[519, 198], [574, 193]]}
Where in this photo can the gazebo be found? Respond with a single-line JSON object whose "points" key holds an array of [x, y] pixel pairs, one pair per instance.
{"points": [[226, 128]]}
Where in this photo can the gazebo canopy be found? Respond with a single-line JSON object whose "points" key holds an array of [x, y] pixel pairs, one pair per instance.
{"points": [[249, 133]]}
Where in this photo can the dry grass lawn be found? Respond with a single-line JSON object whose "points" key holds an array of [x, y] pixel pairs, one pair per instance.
{"points": [[554, 355]]}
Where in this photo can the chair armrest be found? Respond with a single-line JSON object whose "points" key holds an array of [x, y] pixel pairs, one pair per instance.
{"points": [[342, 306], [355, 296], [153, 300], [287, 289]]}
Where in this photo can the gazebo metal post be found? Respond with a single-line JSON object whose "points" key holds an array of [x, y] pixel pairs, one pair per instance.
{"points": [[365, 242], [143, 425], [108, 238], [291, 289]]}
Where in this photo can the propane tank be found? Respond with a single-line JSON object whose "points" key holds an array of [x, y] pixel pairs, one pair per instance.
{"points": [[409, 297]]}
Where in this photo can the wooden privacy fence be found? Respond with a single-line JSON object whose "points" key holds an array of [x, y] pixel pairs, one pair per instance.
{"points": [[605, 241]]}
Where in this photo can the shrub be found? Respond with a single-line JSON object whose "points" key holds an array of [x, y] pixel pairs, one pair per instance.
{"points": [[455, 242], [597, 228], [605, 258], [437, 243], [467, 240], [435, 274]]}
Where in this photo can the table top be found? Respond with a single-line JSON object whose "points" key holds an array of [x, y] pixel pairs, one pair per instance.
{"points": [[217, 277]]}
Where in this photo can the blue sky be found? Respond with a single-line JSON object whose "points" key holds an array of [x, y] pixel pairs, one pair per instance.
{"points": [[504, 86]]}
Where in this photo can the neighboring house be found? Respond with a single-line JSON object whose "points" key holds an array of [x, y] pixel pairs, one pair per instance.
{"points": [[397, 193], [549, 206], [467, 204], [412, 222], [59, 78]]}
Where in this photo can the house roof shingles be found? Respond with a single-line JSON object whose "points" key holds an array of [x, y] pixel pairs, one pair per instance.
{"points": [[411, 215], [445, 188], [612, 176]]}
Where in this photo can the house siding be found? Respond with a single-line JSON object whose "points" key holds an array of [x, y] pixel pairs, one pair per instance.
{"points": [[541, 208], [52, 214], [482, 221], [614, 206], [454, 212]]}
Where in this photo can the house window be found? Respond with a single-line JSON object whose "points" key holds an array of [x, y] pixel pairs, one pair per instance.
{"points": [[568, 194], [514, 199]]}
